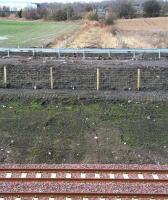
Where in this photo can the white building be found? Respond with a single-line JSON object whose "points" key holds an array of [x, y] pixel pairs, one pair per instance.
{"points": [[16, 6]]}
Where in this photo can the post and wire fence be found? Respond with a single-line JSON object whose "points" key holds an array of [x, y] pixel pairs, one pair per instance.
{"points": [[80, 78]]}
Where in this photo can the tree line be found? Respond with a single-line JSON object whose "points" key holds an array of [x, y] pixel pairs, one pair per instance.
{"points": [[112, 10]]}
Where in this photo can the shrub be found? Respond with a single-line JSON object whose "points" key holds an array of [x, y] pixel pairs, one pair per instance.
{"points": [[34, 14], [110, 19], [59, 15], [152, 8], [124, 9], [92, 16], [4, 11]]}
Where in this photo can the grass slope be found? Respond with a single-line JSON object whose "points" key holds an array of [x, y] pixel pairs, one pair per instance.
{"points": [[30, 34], [113, 132]]}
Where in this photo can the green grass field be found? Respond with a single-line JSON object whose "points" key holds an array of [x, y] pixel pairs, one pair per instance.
{"points": [[30, 34]]}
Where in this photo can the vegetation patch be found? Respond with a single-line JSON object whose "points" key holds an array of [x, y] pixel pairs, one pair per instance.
{"points": [[32, 34], [111, 132]]}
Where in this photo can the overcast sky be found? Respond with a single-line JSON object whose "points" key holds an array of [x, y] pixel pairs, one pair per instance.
{"points": [[40, 1]]}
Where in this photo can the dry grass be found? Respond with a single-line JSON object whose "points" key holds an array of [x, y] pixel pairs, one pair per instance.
{"points": [[126, 33], [144, 32], [144, 24]]}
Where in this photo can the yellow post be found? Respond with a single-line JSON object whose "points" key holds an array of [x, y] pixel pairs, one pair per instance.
{"points": [[5, 76], [98, 79], [51, 78], [138, 79]]}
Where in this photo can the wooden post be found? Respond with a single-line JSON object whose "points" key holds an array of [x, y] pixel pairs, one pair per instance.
{"points": [[98, 79], [5, 77], [138, 79], [51, 78]]}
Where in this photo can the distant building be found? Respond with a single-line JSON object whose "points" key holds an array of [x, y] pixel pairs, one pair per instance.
{"points": [[102, 13], [16, 6]]}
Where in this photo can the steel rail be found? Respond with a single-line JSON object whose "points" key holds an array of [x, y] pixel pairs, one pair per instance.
{"points": [[84, 180], [83, 194], [160, 171]]}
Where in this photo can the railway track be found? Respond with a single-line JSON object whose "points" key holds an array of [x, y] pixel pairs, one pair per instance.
{"points": [[84, 182]]}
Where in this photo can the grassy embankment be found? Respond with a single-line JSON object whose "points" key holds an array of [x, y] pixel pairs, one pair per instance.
{"points": [[125, 33], [32, 33], [52, 132]]}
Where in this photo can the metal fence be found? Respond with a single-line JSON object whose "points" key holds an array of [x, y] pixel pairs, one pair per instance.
{"points": [[83, 52]]}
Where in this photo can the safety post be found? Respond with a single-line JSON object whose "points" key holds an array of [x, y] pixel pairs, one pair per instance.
{"points": [[59, 55], [109, 54], [33, 52], [83, 54], [134, 54], [98, 79], [159, 54], [138, 79], [5, 77], [51, 78], [8, 52]]}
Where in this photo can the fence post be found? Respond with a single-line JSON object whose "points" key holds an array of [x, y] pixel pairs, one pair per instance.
{"points": [[59, 54], [138, 79], [109, 54], [134, 54], [51, 78], [8, 53], [159, 54], [98, 79], [33, 52], [5, 77], [83, 54]]}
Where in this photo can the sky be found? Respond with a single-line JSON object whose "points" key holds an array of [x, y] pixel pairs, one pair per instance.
{"points": [[40, 1]]}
